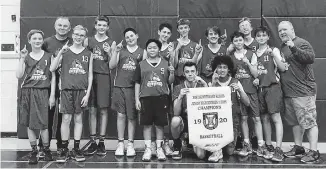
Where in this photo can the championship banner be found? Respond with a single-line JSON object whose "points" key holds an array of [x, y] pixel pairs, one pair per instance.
{"points": [[210, 117]]}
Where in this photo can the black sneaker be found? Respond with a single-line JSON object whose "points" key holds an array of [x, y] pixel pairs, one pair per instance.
{"points": [[47, 154], [91, 149], [33, 157], [177, 154], [270, 148], [101, 149], [246, 150], [278, 155], [77, 155], [254, 143], [238, 145], [311, 157], [41, 153], [296, 151], [63, 155]]}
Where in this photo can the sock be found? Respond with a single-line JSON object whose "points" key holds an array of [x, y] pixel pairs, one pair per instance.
{"points": [[246, 140], [148, 143], [64, 143], [177, 143], [93, 137], [102, 139], [76, 144], [131, 141], [33, 145], [121, 140], [159, 143], [261, 142]]}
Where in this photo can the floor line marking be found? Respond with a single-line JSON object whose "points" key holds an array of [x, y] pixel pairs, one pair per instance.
{"points": [[48, 164]]}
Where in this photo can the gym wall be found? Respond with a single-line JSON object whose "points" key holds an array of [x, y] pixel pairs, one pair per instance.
{"points": [[307, 16]]}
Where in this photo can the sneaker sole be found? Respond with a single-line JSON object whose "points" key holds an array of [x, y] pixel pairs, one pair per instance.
{"points": [[79, 159], [131, 155], [290, 156], [310, 162], [176, 158], [161, 159], [277, 160], [62, 161], [146, 160], [101, 154]]}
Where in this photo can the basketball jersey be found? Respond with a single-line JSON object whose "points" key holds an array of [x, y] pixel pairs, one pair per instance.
{"points": [[126, 67], [270, 74], [154, 79], [205, 67], [234, 96], [253, 46], [53, 45], [165, 54], [243, 73], [187, 52], [37, 72], [74, 70], [101, 58]]}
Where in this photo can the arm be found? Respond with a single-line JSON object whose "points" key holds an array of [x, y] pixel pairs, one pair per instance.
{"points": [[243, 96], [85, 44], [56, 61], [114, 59], [21, 68], [137, 90], [177, 106], [278, 59], [303, 53], [52, 92], [90, 76], [253, 65]]}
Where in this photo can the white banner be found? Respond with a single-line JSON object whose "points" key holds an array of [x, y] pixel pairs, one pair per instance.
{"points": [[210, 117]]}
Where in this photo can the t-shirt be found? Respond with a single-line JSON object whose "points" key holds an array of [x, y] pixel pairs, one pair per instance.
{"points": [[298, 80], [188, 52], [53, 45], [125, 70], [204, 66], [74, 70], [243, 73], [37, 72], [176, 93], [101, 58], [266, 64], [153, 78]]}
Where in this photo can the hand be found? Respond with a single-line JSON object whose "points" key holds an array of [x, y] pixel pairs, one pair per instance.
{"points": [[199, 47], [171, 47], [51, 102], [171, 69], [84, 101], [256, 82], [180, 44], [183, 92], [107, 48], [65, 47], [23, 53], [198, 79], [231, 48], [215, 76], [119, 47], [269, 50], [210, 84], [289, 43], [138, 105], [224, 36], [235, 86], [245, 59], [183, 60], [287, 65]]}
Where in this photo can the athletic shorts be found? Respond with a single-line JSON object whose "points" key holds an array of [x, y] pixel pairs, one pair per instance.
{"points": [[154, 110], [123, 101], [270, 99], [70, 101], [34, 108], [301, 111], [100, 93], [253, 108]]}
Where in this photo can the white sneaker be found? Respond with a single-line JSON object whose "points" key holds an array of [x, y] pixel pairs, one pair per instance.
{"points": [[147, 156], [216, 156], [120, 151], [153, 148], [160, 154], [167, 149], [130, 150]]}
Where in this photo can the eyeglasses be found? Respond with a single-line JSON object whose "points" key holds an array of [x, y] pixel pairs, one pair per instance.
{"points": [[79, 35]]}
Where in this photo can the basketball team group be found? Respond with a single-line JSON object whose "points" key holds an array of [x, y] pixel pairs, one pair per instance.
{"points": [[63, 76]]}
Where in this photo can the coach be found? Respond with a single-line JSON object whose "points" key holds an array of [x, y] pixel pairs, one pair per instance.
{"points": [[299, 88]]}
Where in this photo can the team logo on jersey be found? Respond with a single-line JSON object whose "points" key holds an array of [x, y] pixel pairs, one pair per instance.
{"points": [[98, 53], [76, 68], [208, 67], [38, 74], [261, 69], [154, 80], [210, 120], [129, 65], [241, 73]]}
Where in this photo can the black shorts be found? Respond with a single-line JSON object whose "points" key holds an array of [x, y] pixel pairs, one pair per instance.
{"points": [[71, 101], [101, 92], [154, 110], [34, 108], [270, 99], [253, 108], [123, 101]]}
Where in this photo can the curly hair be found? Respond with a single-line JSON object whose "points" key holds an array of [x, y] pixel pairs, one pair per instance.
{"points": [[218, 60]]}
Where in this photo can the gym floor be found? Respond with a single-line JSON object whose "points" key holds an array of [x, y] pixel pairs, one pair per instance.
{"points": [[15, 152]]}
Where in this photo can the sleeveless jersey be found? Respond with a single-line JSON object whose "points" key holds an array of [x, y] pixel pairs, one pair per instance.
{"points": [[204, 66], [243, 73], [269, 71], [234, 96], [154, 79], [126, 67], [101, 58], [187, 52], [253, 46], [38, 73], [74, 70], [165, 54]]}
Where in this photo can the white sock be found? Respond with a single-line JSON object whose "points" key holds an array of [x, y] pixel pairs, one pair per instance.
{"points": [[148, 143], [159, 143], [261, 142]]}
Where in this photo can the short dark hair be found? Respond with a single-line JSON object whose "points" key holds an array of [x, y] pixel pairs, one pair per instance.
{"points": [[158, 43], [236, 34], [34, 31], [183, 22], [262, 29], [215, 29], [189, 64], [165, 25], [245, 19], [223, 60], [129, 29], [102, 18]]}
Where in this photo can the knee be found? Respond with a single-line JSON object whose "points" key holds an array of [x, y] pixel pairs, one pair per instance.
{"points": [[66, 118], [93, 111], [104, 111], [229, 149], [201, 154], [175, 122], [121, 116], [257, 120], [276, 118], [78, 119], [244, 119]]}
